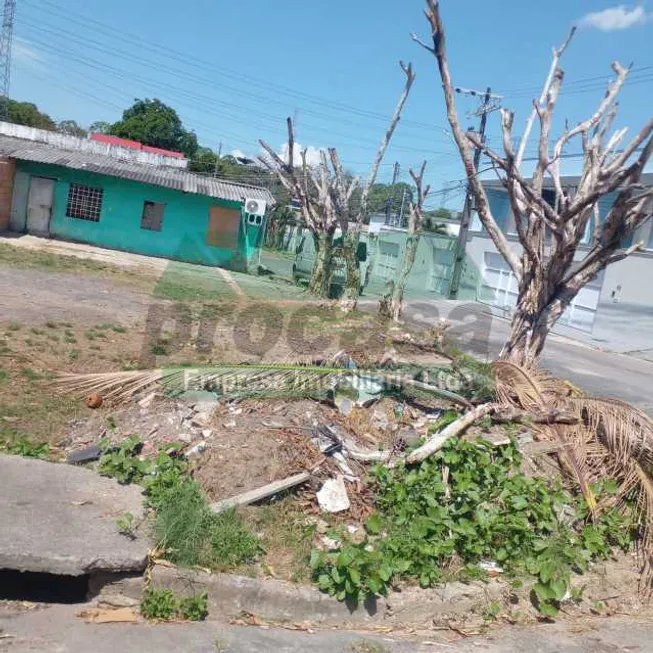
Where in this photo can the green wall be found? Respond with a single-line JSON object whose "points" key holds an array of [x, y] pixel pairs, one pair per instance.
{"points": [[431, 273], [184, 227]]}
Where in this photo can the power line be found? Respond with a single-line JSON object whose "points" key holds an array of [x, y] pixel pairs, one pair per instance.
{"points": [[205, 102], [583, 81], [171, 53]]}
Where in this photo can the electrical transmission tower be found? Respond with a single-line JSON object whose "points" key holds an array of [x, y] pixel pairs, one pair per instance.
{"points": [[5, 56]]}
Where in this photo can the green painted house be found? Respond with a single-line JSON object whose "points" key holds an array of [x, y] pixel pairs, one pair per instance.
{"points": [[76, 189]]}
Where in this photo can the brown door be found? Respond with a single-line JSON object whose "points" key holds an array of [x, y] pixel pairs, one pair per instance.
{"points": [[224, 227]]}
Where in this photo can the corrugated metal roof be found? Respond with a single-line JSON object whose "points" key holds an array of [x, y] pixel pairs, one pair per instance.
{"points": [[175, 178]]}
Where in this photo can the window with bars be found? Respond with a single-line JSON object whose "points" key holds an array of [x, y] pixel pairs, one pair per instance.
{"points": [[152, 217], [84, 202]]}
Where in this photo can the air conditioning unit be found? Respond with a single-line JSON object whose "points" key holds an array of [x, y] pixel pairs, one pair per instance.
{"points": [[254, 207]]}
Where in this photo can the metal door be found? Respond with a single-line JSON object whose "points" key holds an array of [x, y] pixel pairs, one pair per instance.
{"points": [[39, 206]]}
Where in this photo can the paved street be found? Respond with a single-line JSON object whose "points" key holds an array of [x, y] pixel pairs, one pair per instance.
{"points": [[58, 629], [568, 353], [598, 372]]}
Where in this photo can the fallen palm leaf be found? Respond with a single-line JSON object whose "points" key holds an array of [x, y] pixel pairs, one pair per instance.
{"points": [[236, 381], [609, 440]]}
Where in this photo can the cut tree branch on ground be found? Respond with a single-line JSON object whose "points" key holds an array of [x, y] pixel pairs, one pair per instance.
{"points": [[435, 443]]}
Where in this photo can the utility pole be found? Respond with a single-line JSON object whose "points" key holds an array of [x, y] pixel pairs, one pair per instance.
{"points": [[391, 196], [489, 103], [401, 210], [217, 160], [5, 55]]}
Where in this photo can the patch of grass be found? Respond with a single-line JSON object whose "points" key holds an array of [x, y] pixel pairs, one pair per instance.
{"points": [[14, 326], [164, 605], [90, 334], [158, 604], [30, 374], [193, 535], [286, 538], [37, 331], [53, 336], [184, 525], [24, 447], [73, 355], [51, 325], [125, 524], [4, 375], [159, 349], [119, 329], [367, 646], [95, 347]]}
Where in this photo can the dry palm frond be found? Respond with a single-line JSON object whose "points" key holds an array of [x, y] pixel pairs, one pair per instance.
{"points": [[237, 381], [536, 391], [611, 440]]}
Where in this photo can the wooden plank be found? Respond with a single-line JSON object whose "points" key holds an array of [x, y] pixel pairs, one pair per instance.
{"points": [[261, 493]]}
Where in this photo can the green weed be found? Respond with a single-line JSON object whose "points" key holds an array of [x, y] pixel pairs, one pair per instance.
{"points": [[3, 375], [30, 374], [73, 355], [51, 325], [193, 535], [22, 446], [184, 524], [431, 532], [159, 350], [13, 326], [125, 525], [164, 605]]}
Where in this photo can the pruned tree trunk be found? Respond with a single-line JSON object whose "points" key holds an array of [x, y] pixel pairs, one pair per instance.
{"points": [[415, 224], [397, 301], [320, 281], [352, 287], [529, 327]]}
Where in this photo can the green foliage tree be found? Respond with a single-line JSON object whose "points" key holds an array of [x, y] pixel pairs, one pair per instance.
{"points": [[71, 128], [152, 122], [205, 161], [380, 194], [100, 127], [28, 114]]}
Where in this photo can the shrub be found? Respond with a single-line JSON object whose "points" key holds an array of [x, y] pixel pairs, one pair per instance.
{"points": [[430, 530]]}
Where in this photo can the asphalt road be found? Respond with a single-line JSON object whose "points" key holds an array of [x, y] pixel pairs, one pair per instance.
{"points": [[598, 372], [59, 629]]}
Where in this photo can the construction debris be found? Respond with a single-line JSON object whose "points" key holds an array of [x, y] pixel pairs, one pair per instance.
{"points": [[333, 496], [261, 493]]}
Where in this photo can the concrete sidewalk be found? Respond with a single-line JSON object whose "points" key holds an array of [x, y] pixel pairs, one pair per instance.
{"points": [[59, 629]]}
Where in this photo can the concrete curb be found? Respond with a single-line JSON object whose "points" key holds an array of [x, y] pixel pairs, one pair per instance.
{"points": [[276, 600]]}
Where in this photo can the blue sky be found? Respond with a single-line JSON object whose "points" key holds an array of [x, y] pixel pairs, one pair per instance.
{"points": [[235, 70]]}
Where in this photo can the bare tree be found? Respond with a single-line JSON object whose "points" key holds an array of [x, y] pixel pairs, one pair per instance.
{"points": [[314, 189], [394, 307], [547, 268], [326, 198], [351, 221]]}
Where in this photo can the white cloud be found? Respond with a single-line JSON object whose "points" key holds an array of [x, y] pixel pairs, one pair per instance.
{"points": [[614, 18], [312, 154], [24, 52], [239, 154]]}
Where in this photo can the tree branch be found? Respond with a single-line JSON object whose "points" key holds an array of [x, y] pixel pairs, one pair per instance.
{"points": [[557, 54], [482, 205], [396, 116]]}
